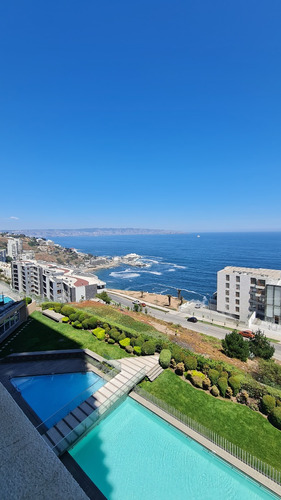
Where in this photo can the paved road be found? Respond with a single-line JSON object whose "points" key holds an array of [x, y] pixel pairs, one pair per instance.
{"points": [[180, 318]]}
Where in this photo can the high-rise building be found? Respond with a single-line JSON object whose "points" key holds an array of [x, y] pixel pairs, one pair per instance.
{"points": [[14, 247]]}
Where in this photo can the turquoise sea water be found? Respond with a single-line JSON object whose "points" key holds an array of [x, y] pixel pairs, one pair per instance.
{"points": [[52, 397], [181, 260], [134, 455]]}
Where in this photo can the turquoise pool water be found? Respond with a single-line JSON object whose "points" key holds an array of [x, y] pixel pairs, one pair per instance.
{"points": [[52, 397], [135, 455]]}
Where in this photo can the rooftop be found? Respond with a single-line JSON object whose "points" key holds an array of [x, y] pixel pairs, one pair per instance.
{"points": [[259, 272]]}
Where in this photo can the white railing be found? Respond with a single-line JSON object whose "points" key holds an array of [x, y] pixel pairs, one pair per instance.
{"points": [[234, 450]]}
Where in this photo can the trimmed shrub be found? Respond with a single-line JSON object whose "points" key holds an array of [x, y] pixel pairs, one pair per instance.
{"points": [[159, 345], [137, 350], [83, 316], [67, 310], [213, 376], [206, 384], [124, 342], [197, 381], [106, 327], [148, 348], [28, 300], [111, 341], [242, 397], [180, 369], [122, 336], [114, 334], [268, 403], [99, 333], [222, 385], [224, 374], [228, 393], [57, 309], [173, 363], [190, 363], [85, 324], [77, 324], [139, 341], [214, 391], [73, 316], [275, 417], [65, 319], [194, 373], [235, 384], [92, 322], [165, 358], [129, 349]]}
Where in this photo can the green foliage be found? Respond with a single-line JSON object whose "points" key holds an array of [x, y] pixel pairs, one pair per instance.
{"points": [[83, 316], [48, 305], [268, 403], [197, 381], [124, 342], [57, 308], [275, 417], [235, 383], [179, 368], [67, 310], [194, 373], [65, 319], [111, 341], [190, 362], [214, 391], [213, 376], [129, 349], [206, 384], [222, 385], [242, 397], [235, 346], [114, 334], [122, 336], [74, 316], [28, 300], [260, 346], [92, 322], [99, 333], [148, 348], [137, 341], [77, 325], [103, 296], [165, 358], [85, 324], [228, 392], [137, 350], [269, 373]]}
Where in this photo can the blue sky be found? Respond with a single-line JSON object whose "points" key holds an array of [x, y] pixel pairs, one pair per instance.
{"points": [[158, 114]]}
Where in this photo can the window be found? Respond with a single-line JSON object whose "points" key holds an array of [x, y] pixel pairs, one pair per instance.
{"points": [[226, 299], [253, 281], [237, 279], [226, 292], [227, 277], [227, 307], [227, 285], [237, 287], [237, 294], [237, 309], [237, 301]]}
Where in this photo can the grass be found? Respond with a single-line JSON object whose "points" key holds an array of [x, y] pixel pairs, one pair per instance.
{"points": [[235, 422], [45, 334], [215, 324]]}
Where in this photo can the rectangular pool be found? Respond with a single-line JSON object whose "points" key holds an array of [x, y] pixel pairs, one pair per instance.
{"points": [[134, 454], [52, 397]]}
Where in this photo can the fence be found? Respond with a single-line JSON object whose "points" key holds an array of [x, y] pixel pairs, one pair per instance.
{"points": [[234, 450]]}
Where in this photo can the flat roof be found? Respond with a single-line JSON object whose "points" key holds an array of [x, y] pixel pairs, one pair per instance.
{"points": [[259, 272]]}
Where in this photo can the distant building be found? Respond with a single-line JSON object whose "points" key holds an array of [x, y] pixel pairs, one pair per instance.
{"points": [[242, 291], [12, 314], [3, 254], [14, 247], [53, 282]]}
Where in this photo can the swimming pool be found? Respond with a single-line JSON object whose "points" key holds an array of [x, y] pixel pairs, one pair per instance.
{"points": [[134, 454], [5, 300], [52, 397]]}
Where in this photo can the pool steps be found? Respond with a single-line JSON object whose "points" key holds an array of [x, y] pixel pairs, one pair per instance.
{"points": [[72, 426]]}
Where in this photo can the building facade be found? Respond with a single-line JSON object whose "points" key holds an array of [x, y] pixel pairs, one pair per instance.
{"points": [[3, 254], [242, 291], [12, 315], [58, 284], [14, 247]]}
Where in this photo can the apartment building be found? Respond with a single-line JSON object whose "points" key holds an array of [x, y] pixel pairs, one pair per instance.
{"points": [[14, 247], [2, 255], [242, 291], [56, 283]]}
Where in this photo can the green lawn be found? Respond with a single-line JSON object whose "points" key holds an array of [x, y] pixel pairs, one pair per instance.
{"points": [[237, 423], [45, 334]]}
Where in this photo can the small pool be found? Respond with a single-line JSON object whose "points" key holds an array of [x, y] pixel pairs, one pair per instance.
{"points": [[52, 397], [5, 300], [134, 454]]}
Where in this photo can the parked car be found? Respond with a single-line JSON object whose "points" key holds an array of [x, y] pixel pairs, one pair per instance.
{"points": [[143, 304], [198, 305], [247, 334], [192, 319], [136, 302]]}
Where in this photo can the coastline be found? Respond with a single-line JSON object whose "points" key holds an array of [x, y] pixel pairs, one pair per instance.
{"points": [[153, 298]]}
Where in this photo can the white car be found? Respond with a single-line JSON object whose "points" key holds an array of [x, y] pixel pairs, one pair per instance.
{"points": [[136, 302], [198, 305]]}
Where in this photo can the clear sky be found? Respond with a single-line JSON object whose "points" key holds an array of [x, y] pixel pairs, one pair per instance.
{"points": [[157, 114]]}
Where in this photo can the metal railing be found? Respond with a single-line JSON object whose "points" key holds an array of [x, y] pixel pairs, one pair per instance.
{"points": [[231, 448], [97, 414]]}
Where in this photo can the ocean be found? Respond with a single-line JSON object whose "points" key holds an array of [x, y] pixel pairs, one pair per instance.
{"points": [[180, 261]]}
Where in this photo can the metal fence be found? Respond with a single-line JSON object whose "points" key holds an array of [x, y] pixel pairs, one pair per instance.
{"points": [[234, 450]]}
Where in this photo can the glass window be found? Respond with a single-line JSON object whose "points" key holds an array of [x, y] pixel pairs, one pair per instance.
{"points": [[237, 287], [227, 285], [237, 294], [237, 279], [237, 301], [253, 281], [226, 292], [227, 277], [237, 309]]}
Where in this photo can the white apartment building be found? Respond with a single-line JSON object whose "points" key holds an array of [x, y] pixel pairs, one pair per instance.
{"points": [[14, 247], [2, 255], [242, 291], [56, 283]]}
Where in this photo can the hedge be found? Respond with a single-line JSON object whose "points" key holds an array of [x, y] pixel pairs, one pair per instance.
{"points": [[165, 358], [124, 342], [114, 334], [137, 350], [99, 333], [222, 385], [67, 310], [214, 391], [197, 381], [190, 363], [268, 403], [65, 319], [214, 376], [148, 348], [77, 324], [275, 417], [235, 383], [111, 341]]}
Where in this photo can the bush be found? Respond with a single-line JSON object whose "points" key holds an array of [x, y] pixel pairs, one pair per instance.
{"points": [[124, 342], [261, 347], [139, 341], [103, 296], [122, 336], [159, 345], [222, 385], [275, 417], [99, 333], [83, 316], [195, 373], [85, 324], [57, 309], [235, 384], [114, 334], [65, 319], [148, 348], [190, 363], [213, 376], [214, 391], [77, 324], [224, 374], [165, 358], [73, 316], [235, 346], [242, 397], [268, 403], [180, 369], [67, 310], [197, 381], [92, 322], [129, 349], [137, 350], [28, 300], [269, 373], [206, 384], [111, 341], [228, 393]]}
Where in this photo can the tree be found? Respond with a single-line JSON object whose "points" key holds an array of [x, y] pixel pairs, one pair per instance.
{"points": [[103, 296], [169, 299], [261, 347], [235, 346]]}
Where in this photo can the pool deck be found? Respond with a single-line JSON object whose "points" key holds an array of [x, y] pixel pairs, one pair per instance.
{"points": [[232, 461]]}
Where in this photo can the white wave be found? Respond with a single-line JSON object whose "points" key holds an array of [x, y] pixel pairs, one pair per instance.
{"points": [[127, 274], [171, 270], [179, 267], [154, 272]]}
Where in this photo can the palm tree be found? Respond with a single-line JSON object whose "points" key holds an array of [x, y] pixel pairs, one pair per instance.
{"points": [[179, 294], [169, 298]]}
